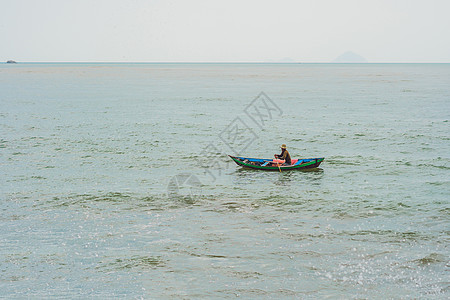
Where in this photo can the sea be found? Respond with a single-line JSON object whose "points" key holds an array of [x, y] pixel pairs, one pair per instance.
{"points": [[115, 181]]}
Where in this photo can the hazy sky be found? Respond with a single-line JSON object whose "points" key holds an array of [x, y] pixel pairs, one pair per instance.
{"points": [[224, 31]]}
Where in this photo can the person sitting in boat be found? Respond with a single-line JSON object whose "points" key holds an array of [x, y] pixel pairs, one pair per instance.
{"points": [[284, 155]]}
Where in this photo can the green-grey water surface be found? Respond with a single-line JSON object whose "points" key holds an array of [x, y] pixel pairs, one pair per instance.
{"points": [[93, 158]]}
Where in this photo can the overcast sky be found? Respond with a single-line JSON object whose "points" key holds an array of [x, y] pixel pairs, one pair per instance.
{"points": [[224, 31]]}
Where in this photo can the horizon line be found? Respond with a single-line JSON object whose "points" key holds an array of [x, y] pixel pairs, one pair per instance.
{"points": [[220, 62]]}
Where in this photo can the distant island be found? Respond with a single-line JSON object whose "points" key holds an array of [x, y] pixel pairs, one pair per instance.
{"points": [[349, 57], [11, 62]]}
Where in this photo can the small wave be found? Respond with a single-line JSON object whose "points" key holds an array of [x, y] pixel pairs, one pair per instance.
{"points": [[19, 153], [139, 262], [127, 201], [207, 255], [108, 197], [442, 167], [348, 162], [388, 236], [246, 274], [432, 258], [439, 183]]}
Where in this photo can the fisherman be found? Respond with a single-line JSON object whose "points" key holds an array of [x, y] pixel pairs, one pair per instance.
{"points": [[284, 155]]}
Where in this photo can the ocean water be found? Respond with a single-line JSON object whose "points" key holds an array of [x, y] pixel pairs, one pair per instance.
{"points": [[115, 181]]}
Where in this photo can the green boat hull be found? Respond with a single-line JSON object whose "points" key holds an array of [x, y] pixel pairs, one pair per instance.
{"points": [[252, 163]]}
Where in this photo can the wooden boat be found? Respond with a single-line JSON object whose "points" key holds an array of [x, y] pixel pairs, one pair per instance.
{"points": [[270, 165]]}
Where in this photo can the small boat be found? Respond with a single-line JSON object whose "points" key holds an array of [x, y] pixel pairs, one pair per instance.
{"points": [[271, 165]]}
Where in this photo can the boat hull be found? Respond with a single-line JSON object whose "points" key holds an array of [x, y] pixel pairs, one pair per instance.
{"points": [[257, 163]]}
